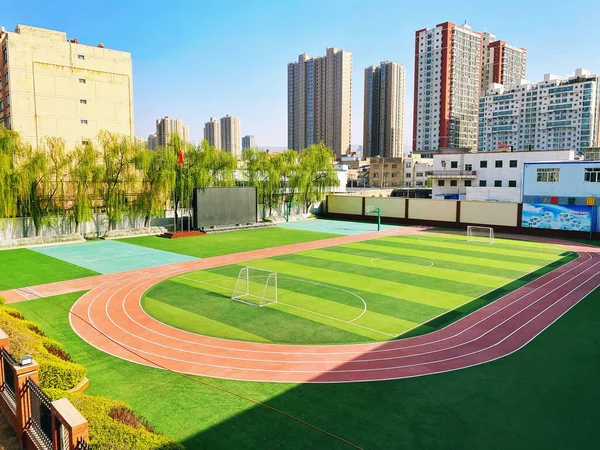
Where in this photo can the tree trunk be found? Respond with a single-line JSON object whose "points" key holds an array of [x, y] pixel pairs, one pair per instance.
{"points": [[147, 221], [77, 226]]}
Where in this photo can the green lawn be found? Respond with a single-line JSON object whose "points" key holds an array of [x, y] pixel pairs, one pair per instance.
{"points": [[368, 291], [543, 396], [224, 243], [23, 267]]}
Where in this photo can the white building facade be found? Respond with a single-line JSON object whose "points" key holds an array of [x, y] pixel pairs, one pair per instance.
{"points": [[489, 176], [561, 195], [552, 114]]}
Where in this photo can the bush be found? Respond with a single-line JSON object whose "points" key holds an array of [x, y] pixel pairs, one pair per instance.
{"points": [[26, 338], [112, 424], [2, 301]]}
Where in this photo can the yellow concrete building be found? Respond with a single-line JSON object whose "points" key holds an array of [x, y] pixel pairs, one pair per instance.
{"points": [[54, 87]]}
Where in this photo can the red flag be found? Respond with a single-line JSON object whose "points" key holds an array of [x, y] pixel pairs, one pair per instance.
{"points": [[180, 160]]}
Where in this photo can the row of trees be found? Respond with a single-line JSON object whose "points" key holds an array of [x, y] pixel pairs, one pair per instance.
{"points": [[121, 177]]}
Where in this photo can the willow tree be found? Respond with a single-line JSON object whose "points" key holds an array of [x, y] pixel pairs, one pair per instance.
{"points": [[119, 176], [85, 178], [9, 147], [41, 182], [157, 171], [256, 172], [316, 173]]}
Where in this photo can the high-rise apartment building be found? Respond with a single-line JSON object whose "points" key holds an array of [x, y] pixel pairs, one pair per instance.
{"points": [[501, 63], [248, 142], [552, 114], [54, 87], [383, 128], [320, 101], [152, 142], [231, 137], [446, 87], [166, 126], [212, 132]]}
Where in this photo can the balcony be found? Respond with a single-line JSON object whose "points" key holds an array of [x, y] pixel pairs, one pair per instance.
{"points": [[452, 173]]}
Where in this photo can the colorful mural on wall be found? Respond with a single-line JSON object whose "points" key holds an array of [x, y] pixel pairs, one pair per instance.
{"points": [[557, 217]]}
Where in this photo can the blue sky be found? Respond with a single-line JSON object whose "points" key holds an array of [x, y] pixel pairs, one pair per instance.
{"points": [[198, 59]]}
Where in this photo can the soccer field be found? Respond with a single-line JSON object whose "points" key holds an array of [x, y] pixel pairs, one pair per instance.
{"points": [[369, 291]]}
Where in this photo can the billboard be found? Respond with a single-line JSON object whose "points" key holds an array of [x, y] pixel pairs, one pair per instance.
{"points": [[557, 217], [224, 206]]}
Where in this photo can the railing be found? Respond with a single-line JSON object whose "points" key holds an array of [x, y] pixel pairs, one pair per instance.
{"points": [[82, 445], [452, 173], [8, 383], [40, 422]]}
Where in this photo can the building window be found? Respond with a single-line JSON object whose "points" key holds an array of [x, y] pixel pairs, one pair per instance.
{"points": [[84, 121], [5, 54], [469, 167], [512, 183], [394, 166], [82, 80], [440, 182], [467, 183], [498, 164], [7, 99], [419, 174], [497, 183], [8, 122], [592, 175], [482, 183], [482, 164], [6, 77], [408, 165], [454, 164], [82, 57], [513, 163], [83, 101], [548, 175], [375, 175], [394, 174], [453, 182], [408, 175], [84, 142]]}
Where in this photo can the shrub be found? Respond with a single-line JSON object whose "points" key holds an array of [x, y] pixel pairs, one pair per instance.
{"points": [[2, 301], [124, 432], [27, 338]]}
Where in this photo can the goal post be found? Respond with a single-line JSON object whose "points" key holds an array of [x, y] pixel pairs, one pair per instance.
{"points": [[255, 287], [480, 234]]}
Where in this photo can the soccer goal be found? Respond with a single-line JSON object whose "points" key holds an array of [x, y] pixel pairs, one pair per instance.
{"points": [[256, 287], [480, 234]]}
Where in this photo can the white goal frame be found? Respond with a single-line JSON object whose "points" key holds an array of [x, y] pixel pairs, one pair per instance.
{"points": [[479, 234], [255, 287]]}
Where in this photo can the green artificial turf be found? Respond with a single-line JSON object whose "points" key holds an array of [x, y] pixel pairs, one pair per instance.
{"points": [[362, 292], [23, 267], [543, 396], [233, 242]]}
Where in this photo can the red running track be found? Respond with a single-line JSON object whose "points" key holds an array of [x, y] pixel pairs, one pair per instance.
{"points": [[111, 318]]}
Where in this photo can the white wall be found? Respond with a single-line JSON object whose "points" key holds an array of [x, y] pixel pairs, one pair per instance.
{"points": [[492, 194], [571, 180]]}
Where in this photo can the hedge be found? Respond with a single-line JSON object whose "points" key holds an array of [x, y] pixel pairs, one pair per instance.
{"points": [[26, 338], [107, 433]]}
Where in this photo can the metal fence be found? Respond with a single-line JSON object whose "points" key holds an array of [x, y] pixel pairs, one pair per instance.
{"points": [[8, 387], [82, 445], [41, 415]]}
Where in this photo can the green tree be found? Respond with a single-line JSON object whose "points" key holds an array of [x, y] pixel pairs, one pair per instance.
{"points": [[119, 176], [157, 169], [9, 146], [41, 182], [316, 173], [85, 176]]}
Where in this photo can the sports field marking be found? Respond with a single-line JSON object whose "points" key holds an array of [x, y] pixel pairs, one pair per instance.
{"points": [[430, 263], [349, 322]]}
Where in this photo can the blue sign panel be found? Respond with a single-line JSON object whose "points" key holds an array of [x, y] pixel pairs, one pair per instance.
{"points": [[557, 217]]}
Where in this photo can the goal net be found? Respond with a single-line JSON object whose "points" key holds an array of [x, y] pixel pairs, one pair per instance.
{"points": [[256, 287], [480, 234]]}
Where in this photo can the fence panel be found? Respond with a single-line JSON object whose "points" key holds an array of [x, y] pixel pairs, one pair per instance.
{"points": [[485, 213], [41, 415], [8, 387], [426, 209], [343, 204]]}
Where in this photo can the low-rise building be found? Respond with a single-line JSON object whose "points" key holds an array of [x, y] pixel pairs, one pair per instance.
{"points": [[562, 195], [490, 176]]}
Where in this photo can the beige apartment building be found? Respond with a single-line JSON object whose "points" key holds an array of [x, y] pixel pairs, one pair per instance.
{"points": [[320, 101], [212, 132], [55, 87], [399, 172], [231, 135], [383, 127], [166, 126], [501, 63]]}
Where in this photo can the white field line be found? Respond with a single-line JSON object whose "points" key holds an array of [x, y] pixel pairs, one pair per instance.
{"points": [[384, 350], [368, 369], [484, 294], [348, 322]]}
